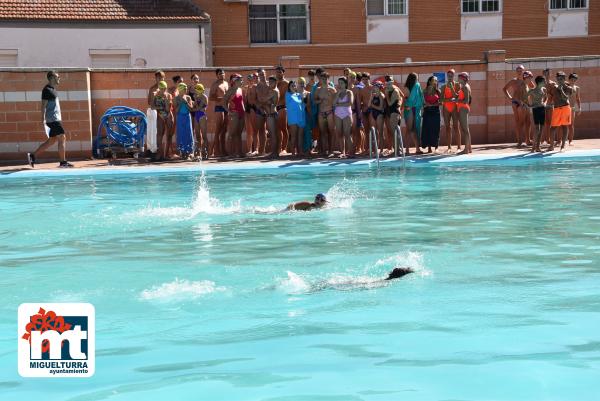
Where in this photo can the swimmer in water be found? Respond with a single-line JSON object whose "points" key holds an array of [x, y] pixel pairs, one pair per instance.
{"points": [[320, 201], [353, 284]]}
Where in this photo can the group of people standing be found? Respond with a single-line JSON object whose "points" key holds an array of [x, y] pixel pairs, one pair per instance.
{"points": [[546, 103], [308, 117]]}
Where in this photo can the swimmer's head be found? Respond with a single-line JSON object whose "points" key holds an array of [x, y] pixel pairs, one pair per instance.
{"points": [[320, 199], [199, 88], [162, 85], [399, 272], [182, 88], [527, 74], [540, 80]]}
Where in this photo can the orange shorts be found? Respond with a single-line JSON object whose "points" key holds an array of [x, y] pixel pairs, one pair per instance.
{"points": [[450, 106], [561, 116]]}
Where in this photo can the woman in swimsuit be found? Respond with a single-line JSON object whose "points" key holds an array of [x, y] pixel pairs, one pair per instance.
{"points": [[430, 136], [296, 117], [201, 122], [344, 99], [324, 100], [376, 113], [185, 133], [394, 99], [161, 102], [413, 107], [464, 107], [234, 103], [449, 110]]}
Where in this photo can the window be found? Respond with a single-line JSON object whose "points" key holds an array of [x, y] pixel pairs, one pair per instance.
{"points": [[386, 7], [480, 6], [278, 23], [8, 57], [567, 4], [110, 58]]}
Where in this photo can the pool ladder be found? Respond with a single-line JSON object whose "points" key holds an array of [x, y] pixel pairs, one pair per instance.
{"points": [[373, 138]]}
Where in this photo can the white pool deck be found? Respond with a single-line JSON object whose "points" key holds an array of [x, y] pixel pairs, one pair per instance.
{"points": [[482, 154]]}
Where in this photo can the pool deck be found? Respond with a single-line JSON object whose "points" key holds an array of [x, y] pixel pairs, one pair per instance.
{"points": [[490, 152]]}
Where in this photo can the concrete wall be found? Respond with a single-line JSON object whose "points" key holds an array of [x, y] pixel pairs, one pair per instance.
{"points": [[85, 96], [60, 45], [387, 29]]}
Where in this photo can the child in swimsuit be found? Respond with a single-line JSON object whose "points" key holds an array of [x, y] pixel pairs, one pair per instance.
{"points": [[536, 99]]}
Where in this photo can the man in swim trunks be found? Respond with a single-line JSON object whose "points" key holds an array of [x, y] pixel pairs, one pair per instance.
{"points": [[282, 86], [269, 107], [262, 100], [320, 201], [551, 93], [537, 101], [449, 110], [561, 116], [516, 85], [216, 95], [324, 99], [574, 100], [251, 100]]}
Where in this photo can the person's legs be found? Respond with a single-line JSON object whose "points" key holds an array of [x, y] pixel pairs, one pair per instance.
{"points": [[203, 124], [565, 136], [348, 142], [283, 129], [572, 127], [380, 134], [262, 134], [273, 134], [526, 124], [293, 133], [409, 132], [548, 125], [448, 127], [538, 138], [463, 119], [219, 125], [324, 135], [339, 129], [241, 125], [517, 115], [394, 120], [62, 147]]}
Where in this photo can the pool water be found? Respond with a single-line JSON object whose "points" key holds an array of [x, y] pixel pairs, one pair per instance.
{"points": [[204, 290]]}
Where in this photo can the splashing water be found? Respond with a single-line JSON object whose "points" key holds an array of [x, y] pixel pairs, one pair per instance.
{"points": [[414, 260], [343, 194], [180, 290]]}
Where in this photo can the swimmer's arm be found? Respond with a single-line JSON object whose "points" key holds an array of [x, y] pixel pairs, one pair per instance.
{"points": [[212, 94], [578, 100], [150, 96], [300, 206]]}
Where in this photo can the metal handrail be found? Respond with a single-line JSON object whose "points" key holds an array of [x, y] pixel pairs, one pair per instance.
{"points": [[373, 137], [398, 133]]}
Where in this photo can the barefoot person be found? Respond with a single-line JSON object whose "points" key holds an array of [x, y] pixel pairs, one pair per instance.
{"points": [[201, 128], [449, 110], [51, 118], [561, 116], [251, 129], [364, 99], [296, 117], [413, 106], [343, 101], [377, 112], [515, 90], [551, 93], [162, 102], [537, 101], [307, 130], [185, 133], [269, 108], [216, 94], [430, 136], [262, 99], [282, 86], [324, 99], [158, 76], [574, 100], [320, 201], [463, 104], [394, 100], [233, 102]]}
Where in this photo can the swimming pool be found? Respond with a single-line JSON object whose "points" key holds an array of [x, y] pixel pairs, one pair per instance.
{"points": [[203, 290]]}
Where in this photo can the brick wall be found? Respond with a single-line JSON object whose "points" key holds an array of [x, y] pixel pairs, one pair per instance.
{"points": [[594, 18], [336, 22], [530, 21], [21, 128], [86, 95], [425, 24], [229, 22]]}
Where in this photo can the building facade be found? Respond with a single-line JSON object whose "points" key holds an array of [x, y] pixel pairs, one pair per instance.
{"points": [[104, 34], [258, 32]]}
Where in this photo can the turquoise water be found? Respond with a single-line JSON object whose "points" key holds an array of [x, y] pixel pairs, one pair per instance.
{"points": [[204, 291]]}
